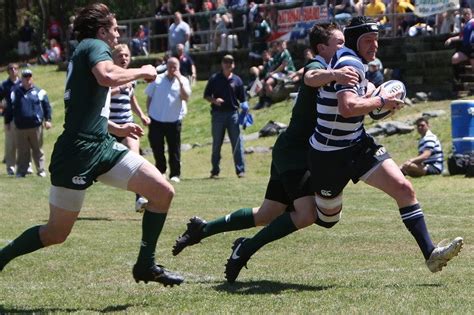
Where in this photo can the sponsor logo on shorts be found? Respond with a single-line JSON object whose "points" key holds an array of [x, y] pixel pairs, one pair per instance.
{"points": [[119, 147], [79, 180], [380, 151], [227, 218], [326, 193]]}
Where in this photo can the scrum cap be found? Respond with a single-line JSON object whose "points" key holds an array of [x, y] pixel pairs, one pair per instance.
{"points": [[359, 26]]}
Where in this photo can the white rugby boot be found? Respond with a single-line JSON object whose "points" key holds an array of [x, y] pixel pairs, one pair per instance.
{"points": [[444, 253]]}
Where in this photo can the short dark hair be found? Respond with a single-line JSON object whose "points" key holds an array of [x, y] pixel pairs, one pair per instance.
{"points": [[91, 18], [422, 119], [320, 34]]}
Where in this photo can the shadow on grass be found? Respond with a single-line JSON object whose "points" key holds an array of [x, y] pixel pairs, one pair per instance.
{"points": [[108, 309], [423, 285], [267, 287], [94, 219]]}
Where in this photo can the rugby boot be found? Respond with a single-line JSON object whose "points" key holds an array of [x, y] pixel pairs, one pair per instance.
{"points": [[193, 235], [236, 261], [156, 273], [442, 254]]}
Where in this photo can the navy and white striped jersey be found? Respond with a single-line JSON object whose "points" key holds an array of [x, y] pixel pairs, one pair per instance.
{"points": [[120, 108], [431, 142], [333, 131]]}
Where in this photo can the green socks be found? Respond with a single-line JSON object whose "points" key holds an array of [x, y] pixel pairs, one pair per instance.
{"points": [[237, 220], [278, 228], [26, 243], [152, 225]]}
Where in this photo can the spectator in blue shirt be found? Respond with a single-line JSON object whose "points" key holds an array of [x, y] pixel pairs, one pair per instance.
{"points": [[225, 92], [30, 110], [186, 64], [5, 90]]}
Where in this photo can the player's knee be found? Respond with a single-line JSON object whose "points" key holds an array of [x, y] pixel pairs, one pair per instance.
{"points": [[405, 189], [307, 219], [53, 236], [328, 211]]}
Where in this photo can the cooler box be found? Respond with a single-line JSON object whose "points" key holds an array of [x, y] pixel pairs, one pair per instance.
{"points": [[462, 126]]}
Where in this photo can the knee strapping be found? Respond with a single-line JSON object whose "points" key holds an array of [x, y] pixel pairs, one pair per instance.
{"points": [[327, 221], [332, 203]]}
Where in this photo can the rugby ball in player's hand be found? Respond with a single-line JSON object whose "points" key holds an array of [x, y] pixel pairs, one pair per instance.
{"points": [[386, 88]]}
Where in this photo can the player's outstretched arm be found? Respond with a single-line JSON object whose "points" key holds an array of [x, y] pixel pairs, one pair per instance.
{"points": [[320, 77], [108, 74]]}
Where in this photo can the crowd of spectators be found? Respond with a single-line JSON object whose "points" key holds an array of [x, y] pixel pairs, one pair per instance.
{"points": [[228, 24]]}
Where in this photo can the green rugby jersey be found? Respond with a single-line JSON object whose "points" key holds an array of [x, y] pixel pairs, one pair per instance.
{"points": [[290, 149], [87, 103]]}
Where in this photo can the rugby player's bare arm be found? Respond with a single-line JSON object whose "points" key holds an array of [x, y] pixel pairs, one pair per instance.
{"points": [[108, 74], [126, 130], [351, 105], [320, 77]]}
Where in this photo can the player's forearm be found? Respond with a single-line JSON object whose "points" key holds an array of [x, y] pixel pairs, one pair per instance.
{"points": [[118, 76], [352, 105], [135, 107], [113, 128], [319, 77]]}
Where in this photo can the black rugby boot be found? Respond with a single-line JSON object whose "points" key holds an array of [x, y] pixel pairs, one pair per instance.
{"points": [[236, 261], [193, 235], [156, 273]]}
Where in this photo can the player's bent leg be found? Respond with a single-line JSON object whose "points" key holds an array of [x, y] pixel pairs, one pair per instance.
{"points": [[268, 211], [59, 225], [328, 211], [135, 173], [393, 183], [387, 177], [198, 229], [150, 183], [132, 144], [305, 212], [55, 231]]}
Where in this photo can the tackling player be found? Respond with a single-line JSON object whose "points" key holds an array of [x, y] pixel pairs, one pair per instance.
{"points": [[289, 183]]}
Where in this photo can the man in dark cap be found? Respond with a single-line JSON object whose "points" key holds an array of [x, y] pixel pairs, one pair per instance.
{"points": [[225, 92], [29, 108]]}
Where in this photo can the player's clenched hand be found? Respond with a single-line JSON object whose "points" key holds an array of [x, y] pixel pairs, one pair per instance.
{"points": [[149, 73], [392, 100], [346, 76]]}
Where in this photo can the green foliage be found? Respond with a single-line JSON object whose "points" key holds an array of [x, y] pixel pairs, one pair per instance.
{"points": [[368, 263]]}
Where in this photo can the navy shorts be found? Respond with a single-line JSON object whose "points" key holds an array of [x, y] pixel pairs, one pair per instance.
{"points": [[432, 170], [334, 169]]}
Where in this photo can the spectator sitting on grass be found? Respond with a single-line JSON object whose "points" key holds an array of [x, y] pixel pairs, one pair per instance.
{"points": [[282, 66]]}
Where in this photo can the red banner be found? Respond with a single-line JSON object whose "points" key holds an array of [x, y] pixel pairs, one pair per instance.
{"points": [[302, 14]]}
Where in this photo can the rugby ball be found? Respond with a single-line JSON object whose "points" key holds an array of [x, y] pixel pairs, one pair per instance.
{"points": [[389, 87]]}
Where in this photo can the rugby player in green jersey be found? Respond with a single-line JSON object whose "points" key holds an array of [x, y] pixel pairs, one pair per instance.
{"points": [[288, 186], [85, 151]]}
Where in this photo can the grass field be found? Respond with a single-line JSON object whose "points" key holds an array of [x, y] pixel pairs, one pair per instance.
{"points": [[368, 263]]}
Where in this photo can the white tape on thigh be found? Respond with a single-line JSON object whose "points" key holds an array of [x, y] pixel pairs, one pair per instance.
{"points": [[329, 203], [66, 198], [120, 174]]}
